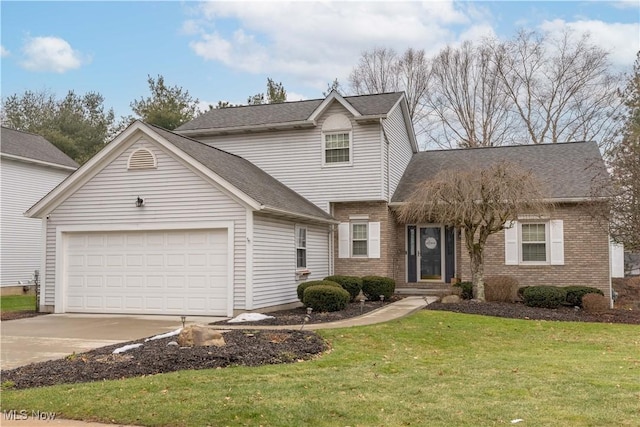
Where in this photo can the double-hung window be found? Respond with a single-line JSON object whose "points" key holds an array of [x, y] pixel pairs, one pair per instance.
{"points": [[534, 242], [337, 147], [301, 247], [359, 239]]}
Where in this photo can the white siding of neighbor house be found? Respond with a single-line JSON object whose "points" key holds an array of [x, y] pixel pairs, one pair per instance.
{"points": [[23, 184], [294, 157], [172, 193], [400, 151], [274, 259]]}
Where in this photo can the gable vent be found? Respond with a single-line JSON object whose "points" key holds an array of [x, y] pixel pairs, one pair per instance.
{"points": [[142, 159]]}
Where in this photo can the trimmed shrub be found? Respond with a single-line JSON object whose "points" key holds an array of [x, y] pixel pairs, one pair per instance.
{"points": [[466, 289], [500, 288], [521, 290], [595, 303], [374, 286], [325, 298], [304, 285], [351, 284], [576, 293], [544, 296]]}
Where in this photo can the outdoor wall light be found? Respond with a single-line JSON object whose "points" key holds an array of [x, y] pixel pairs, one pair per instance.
{"points": [[139, 202]]}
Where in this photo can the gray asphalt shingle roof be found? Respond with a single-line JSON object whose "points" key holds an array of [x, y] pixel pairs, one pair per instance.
{"points": [[566, 170], [245, 176], [31, 146], [286, 112]]}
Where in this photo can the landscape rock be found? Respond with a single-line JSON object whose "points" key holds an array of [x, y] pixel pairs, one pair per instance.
{"points": [[450, 299], [200, 336]]}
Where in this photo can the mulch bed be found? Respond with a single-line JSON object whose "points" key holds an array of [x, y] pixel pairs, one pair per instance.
{"points": [[256, 347], [13, 315], [296, 316], [247, 348], [521, 311]]}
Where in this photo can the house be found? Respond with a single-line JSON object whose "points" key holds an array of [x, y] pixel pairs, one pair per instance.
{"points": [[30, 167], [234, 209]]}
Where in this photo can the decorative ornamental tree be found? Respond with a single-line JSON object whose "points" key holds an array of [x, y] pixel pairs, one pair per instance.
{"points": [[480, 202]]}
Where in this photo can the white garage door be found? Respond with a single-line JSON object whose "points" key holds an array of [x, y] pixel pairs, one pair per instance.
{"points": [[147, 272]]}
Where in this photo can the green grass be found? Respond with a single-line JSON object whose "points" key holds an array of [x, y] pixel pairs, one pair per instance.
{"points": [[433, 368], [18, 303]]}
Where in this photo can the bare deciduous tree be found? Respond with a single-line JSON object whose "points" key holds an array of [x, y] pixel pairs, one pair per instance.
{"points": [[625, 163], [467, 101], [561, 86], [480, 202], [382, 70]]}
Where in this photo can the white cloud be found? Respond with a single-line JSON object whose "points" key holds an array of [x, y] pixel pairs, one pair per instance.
{"points": [[621, 40], [4, 52], [626, 4], [319, 41], [51, 54]]}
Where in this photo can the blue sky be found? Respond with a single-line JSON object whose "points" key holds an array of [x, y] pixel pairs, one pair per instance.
{"points": [[226, 50]]}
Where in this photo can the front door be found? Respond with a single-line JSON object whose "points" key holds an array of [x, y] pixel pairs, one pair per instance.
{"points": [[431, 253]]}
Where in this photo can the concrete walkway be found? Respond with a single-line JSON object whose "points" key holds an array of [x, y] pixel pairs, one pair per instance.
{"points": [[388, 312]]}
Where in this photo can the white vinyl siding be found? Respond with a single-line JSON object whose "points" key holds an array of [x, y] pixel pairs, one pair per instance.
{"points": [[534, 242], [274, 259], [400, 150], [294, 157], [172, 193], [23, 184]]}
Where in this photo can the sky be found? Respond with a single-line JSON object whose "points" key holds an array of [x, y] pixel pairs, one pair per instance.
{"points": [[225, 50]]}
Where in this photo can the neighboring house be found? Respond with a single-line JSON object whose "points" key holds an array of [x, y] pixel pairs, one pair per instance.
{"points": [[234, 209], [30, 167]]}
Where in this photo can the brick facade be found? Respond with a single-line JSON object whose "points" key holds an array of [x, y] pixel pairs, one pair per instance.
{"points": [[586, 255], [377, 212]]}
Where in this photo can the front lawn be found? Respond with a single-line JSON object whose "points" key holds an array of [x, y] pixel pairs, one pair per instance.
{"points": [[11, 303], [433, 368]]}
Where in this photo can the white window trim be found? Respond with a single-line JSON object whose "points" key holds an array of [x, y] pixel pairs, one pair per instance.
{"points": [[306, 236], [345, 249], [521, 242], [554, 242], [351, 239], [324, 148]]}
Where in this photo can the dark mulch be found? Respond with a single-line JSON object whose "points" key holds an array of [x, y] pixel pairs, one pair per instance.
{"points": [[521, 311], [246, 348], [13, 315], [296, 316], [257, 347]]}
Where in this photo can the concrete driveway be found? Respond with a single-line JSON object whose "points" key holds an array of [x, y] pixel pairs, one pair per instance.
{"points": [[53, 336]]}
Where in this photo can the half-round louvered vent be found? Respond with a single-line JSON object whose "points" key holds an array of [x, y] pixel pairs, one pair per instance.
{"points": [[142, 159]]}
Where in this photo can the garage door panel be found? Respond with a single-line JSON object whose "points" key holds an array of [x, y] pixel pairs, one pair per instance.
{"points": [[159, 272]]}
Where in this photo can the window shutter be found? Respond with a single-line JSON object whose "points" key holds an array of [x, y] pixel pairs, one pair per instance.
{"points": [[511, 253], [343, 240], [556, 234], [374, 240]]}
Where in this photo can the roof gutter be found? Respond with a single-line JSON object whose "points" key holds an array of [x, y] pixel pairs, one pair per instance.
{"points": [[551, 200], [38, 162], [247, 129], [269, 209]]}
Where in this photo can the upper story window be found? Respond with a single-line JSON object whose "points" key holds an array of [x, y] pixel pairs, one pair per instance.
{"points": [[337, 148], [336, 141], [142, 158]]}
